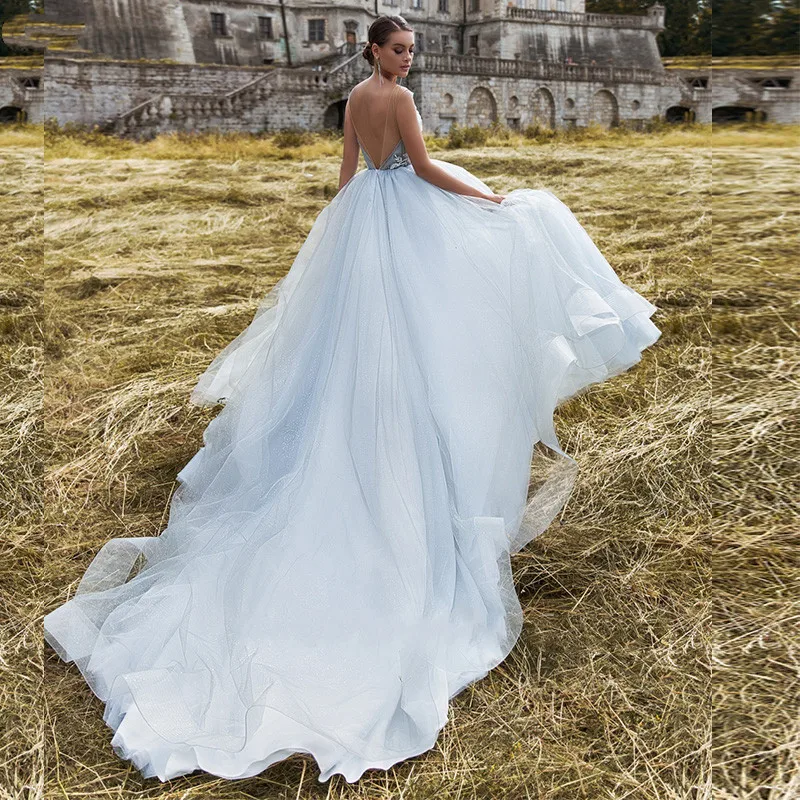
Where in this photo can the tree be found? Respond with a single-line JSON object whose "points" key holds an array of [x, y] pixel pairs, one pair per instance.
{"points": [[783, 34], [737, 26], [755, 27], [704, 28], [683, 34]]}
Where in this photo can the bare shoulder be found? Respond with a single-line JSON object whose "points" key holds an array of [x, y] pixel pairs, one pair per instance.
{"points": [[405, 94]]}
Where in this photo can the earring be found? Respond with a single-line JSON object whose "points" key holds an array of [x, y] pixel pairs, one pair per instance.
{"points": [[380, 74]]}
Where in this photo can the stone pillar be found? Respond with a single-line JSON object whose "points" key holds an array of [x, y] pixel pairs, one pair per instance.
{"points": [[657, 14]]}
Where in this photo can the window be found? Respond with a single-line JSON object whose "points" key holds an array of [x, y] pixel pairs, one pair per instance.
{"points": [[698, 83], [474, 5], [265, 27], [316, 30], [416, 3], [775, 83], [443, 9], [218, 27], [473, 44], [562, 5], [543, 5], [445, 41], [419, 41]]}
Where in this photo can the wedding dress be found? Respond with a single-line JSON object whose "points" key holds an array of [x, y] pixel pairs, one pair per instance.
{"points": [[336, 563]]}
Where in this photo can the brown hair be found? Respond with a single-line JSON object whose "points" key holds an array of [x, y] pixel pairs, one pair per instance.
{"points": [[380, 31]]}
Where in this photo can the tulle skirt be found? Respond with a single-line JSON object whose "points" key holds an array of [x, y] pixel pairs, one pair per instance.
{"points": [[336, 564]]}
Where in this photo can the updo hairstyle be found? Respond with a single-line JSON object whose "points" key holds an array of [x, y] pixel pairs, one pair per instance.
{"points": [[379, 33]]}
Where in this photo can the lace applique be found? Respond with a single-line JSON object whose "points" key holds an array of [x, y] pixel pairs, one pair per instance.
{"points": [[399, 160]]}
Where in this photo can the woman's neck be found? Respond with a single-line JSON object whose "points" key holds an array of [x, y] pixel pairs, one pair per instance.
{"points": [[389, 78]]}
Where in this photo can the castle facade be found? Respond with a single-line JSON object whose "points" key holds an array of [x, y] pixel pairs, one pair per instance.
{"points": [[140, 67]]}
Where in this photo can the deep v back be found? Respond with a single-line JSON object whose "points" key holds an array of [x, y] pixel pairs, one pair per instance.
{"points": [[375, 123]]}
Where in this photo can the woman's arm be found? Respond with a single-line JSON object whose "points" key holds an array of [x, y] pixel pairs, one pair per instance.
{"points": [[417, 152], [350, 151]]}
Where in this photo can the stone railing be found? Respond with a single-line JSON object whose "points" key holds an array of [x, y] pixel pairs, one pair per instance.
{"points": [[257, 86], [652, 21], [348, 49], [347, 72], [539, 70], [133, 117], [346, 64], [336, 56], [179, 106], [182, 108]]}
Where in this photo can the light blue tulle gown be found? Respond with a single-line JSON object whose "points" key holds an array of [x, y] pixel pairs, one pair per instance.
{"points": [[336, 563]]}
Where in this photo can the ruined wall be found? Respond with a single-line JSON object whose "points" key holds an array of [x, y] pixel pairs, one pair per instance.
{"points": [[68, 12], [775, 93], [138, 29], [552, 41], [182, 30], [16, 94], [92, 92], [477, 100], [242, 43]]}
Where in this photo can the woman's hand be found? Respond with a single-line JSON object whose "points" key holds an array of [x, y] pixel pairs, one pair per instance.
{"points": [[495, 198]]}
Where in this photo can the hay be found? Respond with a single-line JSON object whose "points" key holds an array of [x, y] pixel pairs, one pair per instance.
{"points": [[157, 255]]}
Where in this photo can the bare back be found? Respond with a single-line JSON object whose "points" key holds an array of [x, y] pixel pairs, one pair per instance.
{"points": [[372, 112]]}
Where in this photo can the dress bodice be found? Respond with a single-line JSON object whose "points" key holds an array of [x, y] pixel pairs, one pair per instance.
{"points": [[397, 158]]}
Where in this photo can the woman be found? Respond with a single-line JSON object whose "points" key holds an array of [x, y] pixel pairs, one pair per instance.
{"points": [[336, 565]]}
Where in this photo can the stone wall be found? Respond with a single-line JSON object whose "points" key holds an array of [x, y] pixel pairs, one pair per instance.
{"points": [[149, 29], [166, 97], [200, 97], [229, 31], [772, 95], [474, 100], [586, 68], [65, 11], [558, 43], [91, 92], [21, 90], [241, 44]]}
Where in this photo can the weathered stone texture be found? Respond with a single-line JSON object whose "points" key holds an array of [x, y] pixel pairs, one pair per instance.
{"points": [[772, 94], [144, 66], [132, 29], [21, 94]]}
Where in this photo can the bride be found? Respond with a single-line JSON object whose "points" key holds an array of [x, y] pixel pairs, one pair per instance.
{"points": [[336, 564]]}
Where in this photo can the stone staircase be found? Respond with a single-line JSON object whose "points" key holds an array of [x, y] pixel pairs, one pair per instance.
{"points": [[187, 111], [340, 55], [170, 111]]}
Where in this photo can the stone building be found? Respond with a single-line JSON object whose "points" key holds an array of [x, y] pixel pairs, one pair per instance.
{"points": [[139, 67]]}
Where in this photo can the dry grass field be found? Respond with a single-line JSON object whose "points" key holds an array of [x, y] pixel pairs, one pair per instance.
{"points": [[127, 267]]}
